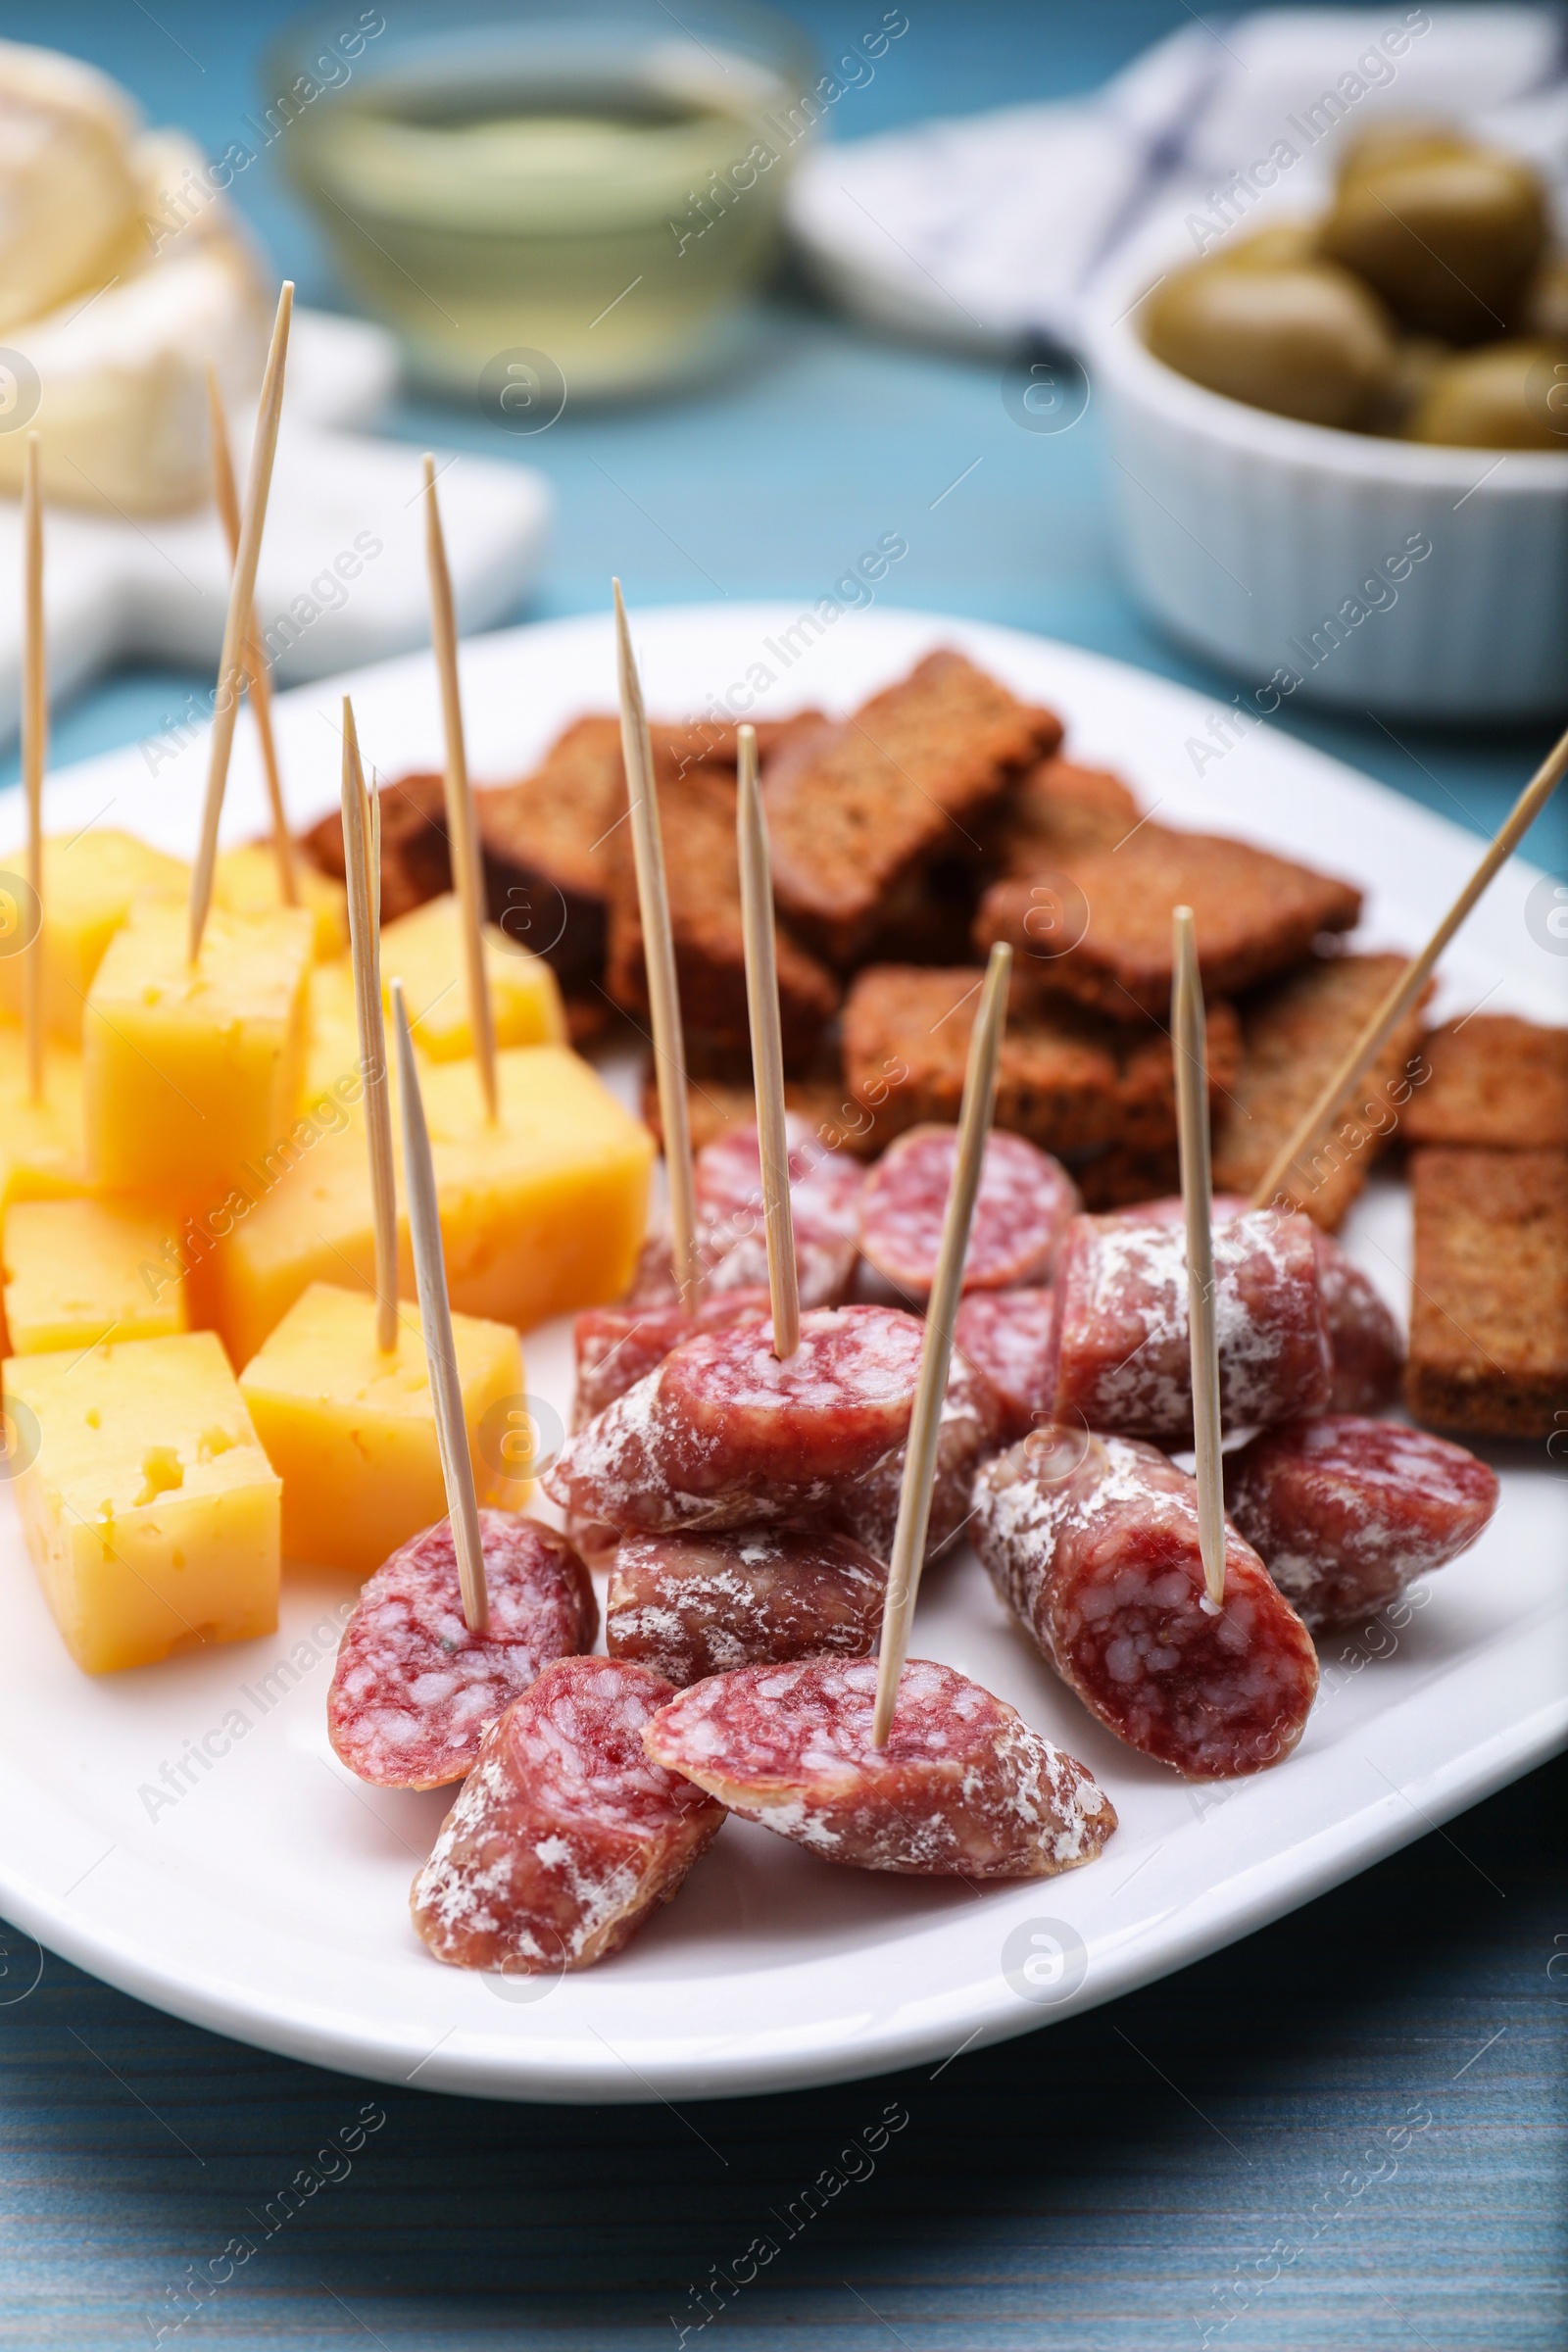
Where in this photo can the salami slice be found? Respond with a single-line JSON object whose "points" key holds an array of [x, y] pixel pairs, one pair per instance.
{"points": [[619, 1346], [1123, 1349], [826, 1188], [693, 1605], [723, 1435], [1364, 1340], [1346, 1512], [1009, 1336], [971, 1426], [1094, 1544], [567, 1833], [414, 1691], [1021, 1213], [963, 1788]]}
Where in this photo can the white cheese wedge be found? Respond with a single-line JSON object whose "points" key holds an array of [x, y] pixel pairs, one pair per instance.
{"points": [[66, 191]]}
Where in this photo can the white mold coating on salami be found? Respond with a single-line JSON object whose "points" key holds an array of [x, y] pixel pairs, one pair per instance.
{"points": [[1021, 1211], [618, 1346], [1365, 1342], [692, 1605], [724, 1434], [1347, 1511], [413, 1689], [1121, 1345], [567, 1833], [963, 1787], [1094, 1544]]}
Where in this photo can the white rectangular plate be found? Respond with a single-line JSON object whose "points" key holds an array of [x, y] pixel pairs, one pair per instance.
{"points": [[186, 1833]]}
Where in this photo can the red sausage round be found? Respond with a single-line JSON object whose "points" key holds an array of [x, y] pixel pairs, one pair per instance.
{"points": [[691, 1605], [1020, 1215]]}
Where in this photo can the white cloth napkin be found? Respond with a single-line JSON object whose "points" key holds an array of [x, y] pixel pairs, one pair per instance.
{"points": [[992, 229]]}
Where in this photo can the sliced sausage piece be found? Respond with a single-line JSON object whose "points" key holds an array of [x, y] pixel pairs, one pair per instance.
{"points": [[963, 1787], [1346, 1512], [825, 1203], [567, 1833], [1021, 1213], [414, 1691], [1122, 1348], [971, 1426], [693, 1605], [1009, 1336], [1365, 1340], [619, 1346], [724, 1434], [1094, 1544]]}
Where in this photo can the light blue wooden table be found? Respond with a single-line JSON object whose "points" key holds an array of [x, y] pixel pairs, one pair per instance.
{"points": [[1186, 2167]]}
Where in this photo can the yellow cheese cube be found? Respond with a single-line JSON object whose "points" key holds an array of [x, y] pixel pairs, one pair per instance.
{"points": [[149, 1508], [351, 1432], [89, 880], [246, 882], [424, 950], [81, 1271], [541, 1215], [190, 1071], [332, 1040], [41, 1155]]}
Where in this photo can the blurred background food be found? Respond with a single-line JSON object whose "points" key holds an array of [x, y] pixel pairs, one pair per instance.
{"points": [[122, 274], [512, 173], [1428, 302]]}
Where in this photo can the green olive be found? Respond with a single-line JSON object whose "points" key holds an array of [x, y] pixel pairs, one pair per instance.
{"points": [[1416, 361], [1504, 396], [1285, 246], [1547, 312], [1449, 234], [1308, 342]]}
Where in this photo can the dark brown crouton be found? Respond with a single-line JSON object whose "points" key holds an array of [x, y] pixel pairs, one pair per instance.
{"points": [[1489, 1317], [415, 861], [1495, 1081]]}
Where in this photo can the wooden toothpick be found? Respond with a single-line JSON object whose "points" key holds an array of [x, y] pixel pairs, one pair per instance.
{"points": [[925, 1421], [362, 860], [257, 678], [1189, 1048], [658, 954], [436, 1314], [241, 607], [34, 755], [462, 834], [1310, 1130], [768, 1045]]}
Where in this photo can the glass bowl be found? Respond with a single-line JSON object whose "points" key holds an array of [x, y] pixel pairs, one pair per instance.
{"points": [[546, 202]]}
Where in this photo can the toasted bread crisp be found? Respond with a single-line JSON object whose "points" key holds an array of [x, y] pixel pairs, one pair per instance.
{"points": [[416, 862], [855, 809], [1489, 1319], [715, 1104], [702, 871], [1071, 1082], [1058, 812], [1495, 1081], [1293, 1034], [1256, 915]]}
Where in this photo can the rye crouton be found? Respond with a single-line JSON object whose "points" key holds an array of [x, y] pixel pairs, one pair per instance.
{"points": [[1073, 1083], [1495, 1081], [855, 809], [1488, 1318], [1058, 812], [415, 859], [702, 864], [1293, 1034], [1110, 945]]}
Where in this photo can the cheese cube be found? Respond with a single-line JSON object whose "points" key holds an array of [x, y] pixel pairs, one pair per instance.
{"points": [[81, 1271], [351, 1432], [246, 882], [332, 1029], [190, 1071], [89, 881], [41, 1153], [424, 950], [150, 1510], [541, 1215]]}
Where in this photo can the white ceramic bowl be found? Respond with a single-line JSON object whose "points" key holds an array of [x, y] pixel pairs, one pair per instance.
{"points": [[1273, 547]]}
